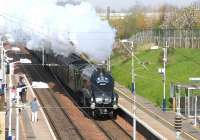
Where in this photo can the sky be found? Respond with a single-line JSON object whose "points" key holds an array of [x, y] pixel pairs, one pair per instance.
{"points": [[124, 4]]}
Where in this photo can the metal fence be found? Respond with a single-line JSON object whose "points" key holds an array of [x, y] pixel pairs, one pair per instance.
{"points": [[188, 106], [176, 38]]}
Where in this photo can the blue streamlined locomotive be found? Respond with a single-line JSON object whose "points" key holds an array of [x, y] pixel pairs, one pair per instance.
{"points": [[92, 85]]}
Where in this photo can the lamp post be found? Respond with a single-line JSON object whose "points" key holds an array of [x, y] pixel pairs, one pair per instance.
{"points": [[10, 104], [164, 77], [11, 71], [132, 84], [10, 85], [11, 68]]}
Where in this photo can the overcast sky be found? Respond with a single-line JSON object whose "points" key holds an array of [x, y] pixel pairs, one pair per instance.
{"points": [[119, 4]]}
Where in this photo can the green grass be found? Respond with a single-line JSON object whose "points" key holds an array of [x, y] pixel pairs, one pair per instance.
{"points": [[182, 64]]}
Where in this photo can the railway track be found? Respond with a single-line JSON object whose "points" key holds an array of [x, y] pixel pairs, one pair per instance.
{"points": [[114, 131], [60, 120]]}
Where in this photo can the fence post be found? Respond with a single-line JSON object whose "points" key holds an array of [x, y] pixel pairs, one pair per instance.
{"points": [[198, 37], [192, 38], [174, 38], [186, 38], [180, 38]]}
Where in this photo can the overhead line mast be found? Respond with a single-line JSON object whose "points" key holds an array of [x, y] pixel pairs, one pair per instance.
{"points": [[108, 18]]}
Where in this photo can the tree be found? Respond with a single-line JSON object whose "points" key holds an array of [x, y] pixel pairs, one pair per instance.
{"points": [[165, 13], [184, 18], [118, 24], [129, 25]]}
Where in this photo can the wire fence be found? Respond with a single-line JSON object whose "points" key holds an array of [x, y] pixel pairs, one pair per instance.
{"points": [[176, 38]]}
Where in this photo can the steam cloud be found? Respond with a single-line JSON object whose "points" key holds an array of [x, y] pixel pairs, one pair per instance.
{"points": [[41, 23]]}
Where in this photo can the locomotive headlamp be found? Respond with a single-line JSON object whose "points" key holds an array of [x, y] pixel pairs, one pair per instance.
{"points": [[91, 99], [92, 106], [115, 106]]}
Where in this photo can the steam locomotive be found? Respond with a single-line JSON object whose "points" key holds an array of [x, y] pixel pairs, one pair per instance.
{"points": [[92, 85]]}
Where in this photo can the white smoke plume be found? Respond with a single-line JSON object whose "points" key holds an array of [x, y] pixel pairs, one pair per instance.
{"points": [[42, 22]]}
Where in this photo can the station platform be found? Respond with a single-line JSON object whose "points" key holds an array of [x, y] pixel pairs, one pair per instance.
{"points": [[29, 130], [160, 123]]}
